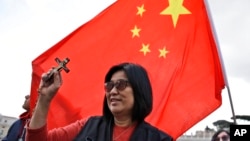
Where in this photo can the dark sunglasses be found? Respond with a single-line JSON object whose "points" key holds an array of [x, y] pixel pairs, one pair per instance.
{"points": [[224, 138], [119, 85]]}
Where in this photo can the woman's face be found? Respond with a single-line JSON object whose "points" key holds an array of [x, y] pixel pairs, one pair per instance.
{"points": [[120, 98], [223, 136]]}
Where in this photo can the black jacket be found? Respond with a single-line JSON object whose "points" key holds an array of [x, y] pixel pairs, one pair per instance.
{"points": [[99, 129]]}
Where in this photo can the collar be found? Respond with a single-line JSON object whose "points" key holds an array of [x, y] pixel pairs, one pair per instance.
{"points": [[25, 115]]}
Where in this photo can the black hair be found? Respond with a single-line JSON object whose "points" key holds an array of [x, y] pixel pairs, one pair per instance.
{"points": [[218, 132], [142, 90]]}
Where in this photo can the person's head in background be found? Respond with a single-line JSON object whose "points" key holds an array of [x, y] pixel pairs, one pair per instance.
{"points": [[221, 135], [26, 104]]}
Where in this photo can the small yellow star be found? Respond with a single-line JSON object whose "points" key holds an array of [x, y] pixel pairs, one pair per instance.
{"points": [[141, 10], [163, 52], [135, 31], [175, 9], [145, 49]]}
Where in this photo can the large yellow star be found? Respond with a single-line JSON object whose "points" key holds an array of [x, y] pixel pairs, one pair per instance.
{"points": [[175, 9], [141, 10], [145, 49], [135, 31], [163, 52]]}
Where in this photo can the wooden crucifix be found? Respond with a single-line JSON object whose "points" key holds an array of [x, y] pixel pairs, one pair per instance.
{"points": [[61, 66]]}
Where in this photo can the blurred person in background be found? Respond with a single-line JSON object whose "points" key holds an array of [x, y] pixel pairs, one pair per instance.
{"points": [[221, 135], [17, 130]]}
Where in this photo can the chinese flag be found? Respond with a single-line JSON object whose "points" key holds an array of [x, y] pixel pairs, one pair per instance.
{"points": [[172, 39]]}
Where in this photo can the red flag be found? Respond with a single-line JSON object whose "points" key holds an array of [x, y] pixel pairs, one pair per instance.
{"points": [[172, 39]]}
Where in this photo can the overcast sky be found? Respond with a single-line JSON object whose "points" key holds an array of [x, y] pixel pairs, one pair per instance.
{"points": [[30, 27]]}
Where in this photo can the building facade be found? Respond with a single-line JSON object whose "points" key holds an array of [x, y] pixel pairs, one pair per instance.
{"points": [[5, 123], [199, 136]]}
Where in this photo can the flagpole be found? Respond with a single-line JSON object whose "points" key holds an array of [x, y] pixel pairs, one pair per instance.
{"points": [[231, 101], [222, 63]]}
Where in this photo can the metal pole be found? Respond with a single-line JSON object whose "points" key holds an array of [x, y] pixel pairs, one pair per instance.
{"points": [[222, 62], [231, 102]]}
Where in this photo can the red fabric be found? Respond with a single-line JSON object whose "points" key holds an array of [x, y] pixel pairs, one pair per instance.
{"points": [[24, 117], [67, 133], [187, 82], [123, 133]]}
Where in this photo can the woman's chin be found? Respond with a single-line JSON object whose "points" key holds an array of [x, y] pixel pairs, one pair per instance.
{"points": [[115, 110]]}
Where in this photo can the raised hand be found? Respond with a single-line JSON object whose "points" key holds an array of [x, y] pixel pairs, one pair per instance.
{"points": [[48, 88]]}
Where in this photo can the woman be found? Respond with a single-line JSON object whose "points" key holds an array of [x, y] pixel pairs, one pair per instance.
{"points": [[221, 135], [127, 102]]}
